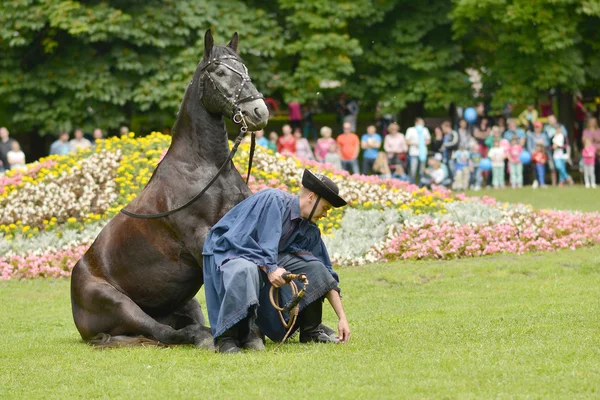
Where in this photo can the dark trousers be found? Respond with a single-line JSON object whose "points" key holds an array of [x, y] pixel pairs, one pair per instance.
{"points": [[367, 167]]}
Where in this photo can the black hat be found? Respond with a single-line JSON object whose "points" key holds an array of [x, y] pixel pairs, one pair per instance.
{"points": [[324, 187]]}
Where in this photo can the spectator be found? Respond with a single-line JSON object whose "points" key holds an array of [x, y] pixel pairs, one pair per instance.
{"points": [[62, 145], [261, 140], [349, 146], [516, 165], [340, 109], [5, 147], [462, 168], [381, 166], [592, 132], [560, 155], [437, 141], [15, 157], [395, 147], [497, 155], [333, 157], [323, 144], [481, 132], [540, 158], [550, 130], [513, 130], [124, 131], [589, 158], [501, 123], [475, 159], [79, 142], [400, 174], [370, 142], [352, 109], [546, 106], [417, 138], [295, 113], [309, 125], [464, 136], [303, 149], [273, 140], [286, 144], [450, 145], [98, 134], [383, 117], [535, 138], [434, 174], [528, 117]]}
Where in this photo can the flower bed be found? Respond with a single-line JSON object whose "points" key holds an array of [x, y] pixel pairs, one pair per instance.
{"points": [[51, 212]]}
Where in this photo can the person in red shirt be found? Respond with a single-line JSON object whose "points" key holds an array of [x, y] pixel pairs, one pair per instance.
{"points": [[580, 115], [349, 146], [286, 144], [540, 159]]}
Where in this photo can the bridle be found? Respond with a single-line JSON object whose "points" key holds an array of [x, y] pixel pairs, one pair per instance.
{"points": [[237, 118], [236, 101]]}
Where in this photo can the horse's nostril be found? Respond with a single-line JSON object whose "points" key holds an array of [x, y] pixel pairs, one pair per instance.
{"points": [[257, 112]]}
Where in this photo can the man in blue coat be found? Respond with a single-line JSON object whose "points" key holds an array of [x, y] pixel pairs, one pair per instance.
{"points": [[249, 250]]}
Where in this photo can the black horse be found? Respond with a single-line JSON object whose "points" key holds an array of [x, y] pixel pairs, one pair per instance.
{"points": [[136, 284]]}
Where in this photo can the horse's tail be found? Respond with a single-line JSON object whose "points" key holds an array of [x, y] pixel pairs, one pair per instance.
{"points": [[105, 341]]}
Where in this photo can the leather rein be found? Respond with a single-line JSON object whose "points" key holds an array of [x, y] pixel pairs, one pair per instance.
{"points": [[238, 118]]}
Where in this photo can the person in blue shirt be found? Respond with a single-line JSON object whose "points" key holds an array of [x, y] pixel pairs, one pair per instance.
{"points": [[370, 142], [261, 140], [61, 146], [249, 250], [513, 130]]}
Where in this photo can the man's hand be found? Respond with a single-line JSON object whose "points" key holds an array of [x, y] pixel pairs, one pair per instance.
{"points": [[275, 277], [343, 330]]}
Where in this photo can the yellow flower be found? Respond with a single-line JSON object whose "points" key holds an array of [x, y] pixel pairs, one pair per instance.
{"points": [[72, 220]]}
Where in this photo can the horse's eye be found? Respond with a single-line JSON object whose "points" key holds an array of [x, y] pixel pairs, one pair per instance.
{"points": [[220, 72]]}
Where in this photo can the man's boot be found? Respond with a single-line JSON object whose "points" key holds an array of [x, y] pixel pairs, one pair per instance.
{"points": [[227, 343], [311, 329], [250, 337]]}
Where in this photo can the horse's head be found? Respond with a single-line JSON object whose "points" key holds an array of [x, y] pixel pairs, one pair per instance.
{"points": [[225, 86]]}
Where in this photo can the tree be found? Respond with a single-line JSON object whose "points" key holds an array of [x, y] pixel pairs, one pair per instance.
{"points": [[527, 47], [68, 63], [410, 56]]}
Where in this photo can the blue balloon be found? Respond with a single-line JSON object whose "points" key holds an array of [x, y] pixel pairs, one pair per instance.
{"points": [[525, 157], [485, 164], [470, 115]]}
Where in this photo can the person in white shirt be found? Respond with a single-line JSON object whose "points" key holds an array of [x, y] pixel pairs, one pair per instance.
{"points": [[79, 142], [15, 157], [417, 138]]}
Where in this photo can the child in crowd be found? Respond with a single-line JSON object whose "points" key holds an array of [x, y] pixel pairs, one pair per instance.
{"points": [[434, 173], [540, 159], [323, 144], [516, 165], [333, 157], [400, 173], [560, 156], [15, 157], [461, 168], [497, 155], [381, 166], [589, 158], [273, 137], [303, 149], [475, 159]]}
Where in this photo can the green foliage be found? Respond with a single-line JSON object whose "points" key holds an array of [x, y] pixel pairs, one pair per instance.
{"points": [[104, 62], [525, 47]]}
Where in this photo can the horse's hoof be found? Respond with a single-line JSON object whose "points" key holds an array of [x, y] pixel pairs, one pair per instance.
{"points": [[205, 343]]}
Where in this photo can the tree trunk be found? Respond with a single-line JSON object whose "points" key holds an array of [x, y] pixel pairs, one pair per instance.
{"points": [[409, 113], [566, 113]]}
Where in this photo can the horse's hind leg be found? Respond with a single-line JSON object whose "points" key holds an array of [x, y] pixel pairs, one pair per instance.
{"points": [[99, 308], [190, 315]]}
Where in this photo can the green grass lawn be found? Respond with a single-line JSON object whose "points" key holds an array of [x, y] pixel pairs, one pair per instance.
{"points": [[561, 198], [496, 327], [493, 327]]}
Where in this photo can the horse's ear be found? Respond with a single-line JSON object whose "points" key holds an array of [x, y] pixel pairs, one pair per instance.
{"points": [[233, 43], [208, 43]]}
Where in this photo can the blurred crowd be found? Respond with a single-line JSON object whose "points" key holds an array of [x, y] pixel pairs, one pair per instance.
{"points": [[474, 152]]}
